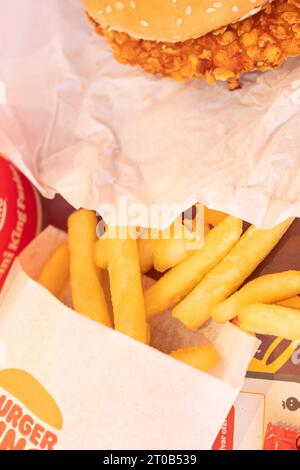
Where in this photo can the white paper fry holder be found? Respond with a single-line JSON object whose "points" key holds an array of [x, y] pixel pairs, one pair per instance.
{"points": [[79, 385], [78, 123]]}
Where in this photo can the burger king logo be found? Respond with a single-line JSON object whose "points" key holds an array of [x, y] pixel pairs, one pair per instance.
{"points": [[20, 215], [29, 417]]}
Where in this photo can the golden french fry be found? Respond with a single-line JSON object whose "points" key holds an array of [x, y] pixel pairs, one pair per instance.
{"points": [[101, 253], [213, 217], [271, 320], [55, 273], [229, 274], [126, 288], [168, 253], [174, 245], [267, 289], [293, 302], [206, 229], [144, 248], [203, 357], [87, 292], [181, 279], [191, 225]]}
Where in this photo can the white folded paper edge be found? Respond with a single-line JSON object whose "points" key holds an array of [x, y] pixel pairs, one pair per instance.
{"points": [[113, 392]]}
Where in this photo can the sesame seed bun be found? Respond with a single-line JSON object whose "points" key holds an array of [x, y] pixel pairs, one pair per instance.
{"points": [[169, 20]]}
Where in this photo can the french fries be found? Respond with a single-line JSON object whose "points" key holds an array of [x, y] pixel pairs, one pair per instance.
{"points": [[126, 288], [293, 302], [228, 275], [87, 292], [181, 279], [144, 248], [213, 217], [55, 272], [267, 289], [173, 246], [202, 282], [101, 253], [203, 357], [270, 320], [191, 225]]}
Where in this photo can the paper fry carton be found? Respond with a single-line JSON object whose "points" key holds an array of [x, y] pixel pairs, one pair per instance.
{"points": [[67, 382]]}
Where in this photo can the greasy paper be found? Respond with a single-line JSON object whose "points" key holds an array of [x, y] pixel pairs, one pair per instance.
{"points": [[82, 125], [113, 392]]}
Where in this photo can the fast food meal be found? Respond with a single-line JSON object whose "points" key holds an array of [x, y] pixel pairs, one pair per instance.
{"points": [[145, 249], [172, 246], [267, 289], [203, 284], [192, 39], [181, 279], [270, 320], [56, 271], [293, 302], [229, 274], [87, 292], [203, 357], [126, 288]]}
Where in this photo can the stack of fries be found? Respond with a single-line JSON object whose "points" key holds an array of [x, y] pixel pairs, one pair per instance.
{"points": [[206, 283]]}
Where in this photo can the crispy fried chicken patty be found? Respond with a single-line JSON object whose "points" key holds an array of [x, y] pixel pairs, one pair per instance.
{"points": [[261, 42]]}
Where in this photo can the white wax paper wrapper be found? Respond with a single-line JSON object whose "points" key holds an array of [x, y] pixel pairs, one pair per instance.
{"points": [[82, 125], [113, 392]]}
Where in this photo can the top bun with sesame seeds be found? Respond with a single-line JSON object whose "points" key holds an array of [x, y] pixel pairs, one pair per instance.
{"points": [[169, 20]]}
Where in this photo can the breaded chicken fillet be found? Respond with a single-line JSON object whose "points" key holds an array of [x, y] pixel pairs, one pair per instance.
{"points": [[261, 41]]}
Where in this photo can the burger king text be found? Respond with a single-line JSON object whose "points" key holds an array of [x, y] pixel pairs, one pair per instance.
{"points": [[21, 431]]}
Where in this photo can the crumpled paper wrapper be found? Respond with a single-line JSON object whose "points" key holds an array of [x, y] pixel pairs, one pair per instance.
{"points": [[114, 392], [78, 123]]}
